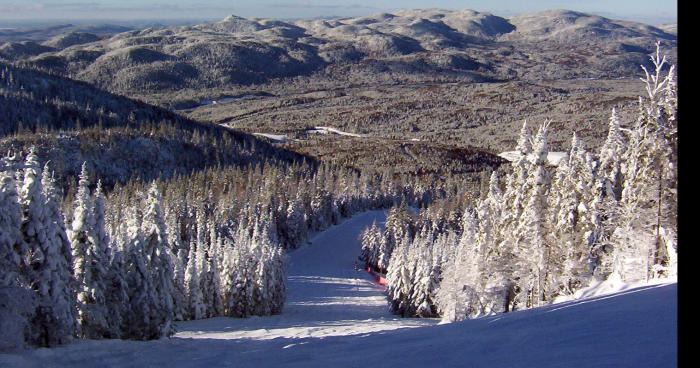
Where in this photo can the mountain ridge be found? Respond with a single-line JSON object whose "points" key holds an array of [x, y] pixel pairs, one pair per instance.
{"points": [[240, 51]]}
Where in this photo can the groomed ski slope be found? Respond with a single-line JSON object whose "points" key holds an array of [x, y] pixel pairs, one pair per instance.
{"points": [[337, 316]]}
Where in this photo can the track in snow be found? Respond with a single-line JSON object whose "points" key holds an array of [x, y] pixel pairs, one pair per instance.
{"points": [[337, 317], [326, 296]]}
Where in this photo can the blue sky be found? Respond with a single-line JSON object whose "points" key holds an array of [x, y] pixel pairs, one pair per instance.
{"points": [[649, 11]]}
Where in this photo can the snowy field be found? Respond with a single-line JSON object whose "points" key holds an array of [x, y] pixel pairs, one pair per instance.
{"points": [[337, 316], [327, 130], [553, 157]]}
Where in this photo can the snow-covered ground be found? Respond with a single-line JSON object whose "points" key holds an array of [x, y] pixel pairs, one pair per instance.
{"points": [[278, 138], [326, 130], [337, 316], [225, 100], [553, 158]]}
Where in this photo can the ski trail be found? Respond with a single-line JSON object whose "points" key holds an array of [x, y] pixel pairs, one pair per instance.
{"points": [[338, 317], [323, 283], [326, 296]]}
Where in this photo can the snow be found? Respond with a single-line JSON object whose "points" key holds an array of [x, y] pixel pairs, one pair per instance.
{"points": [[613, 285], [278, 138], [509, 155], [226, 100], [553, 157], [326, 130], [337, 316]]}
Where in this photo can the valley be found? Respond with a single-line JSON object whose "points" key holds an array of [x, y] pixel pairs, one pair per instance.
{"points": [[405, 187]]}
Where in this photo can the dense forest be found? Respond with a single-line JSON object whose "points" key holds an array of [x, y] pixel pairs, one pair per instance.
{"points": [[69, 122], [546, 231], [128, 263], [118, 218]]}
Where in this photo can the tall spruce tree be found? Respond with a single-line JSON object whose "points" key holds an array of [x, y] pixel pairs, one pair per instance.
{"points": [[90, 264], [530, 246], [16, 299], [53, 322], [159, 261]]}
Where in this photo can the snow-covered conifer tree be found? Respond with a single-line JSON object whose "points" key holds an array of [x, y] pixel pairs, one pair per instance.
{"points": [[177, 252], [398, 277], [609, 169], [59, 235], [644, 240], [90, 264], [296, 223], [459, 294], [372, 240], [194, 288], [578, 265], [607, 192], [143, 303], [423, 281], [16, 299], [530, 246], [238, 278], [53, 322], [117, 294], [159, 261], [10, 235], [101, 235], [212, 278]]}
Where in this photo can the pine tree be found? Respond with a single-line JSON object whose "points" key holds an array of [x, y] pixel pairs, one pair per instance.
{"points": [[59, 235], [237, 279], [212, 278], [53, 321], [609, 164], [10, 235], [16, 299], [143, 302], [371, 239], [178, 253], [194, 291], [159, 261], [530, 245], [461, 290], [101, 235], [497, 248], [519, 182], [607, 194], [399, 279], [423, 282], [117, 295], [296, 223], [578, 265], [644, 240], [90, 268]]}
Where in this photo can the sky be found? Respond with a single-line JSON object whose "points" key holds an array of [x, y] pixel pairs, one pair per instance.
{"points": [[648, 11]]}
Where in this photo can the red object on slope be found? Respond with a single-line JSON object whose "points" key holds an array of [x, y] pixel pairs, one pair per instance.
{"points": [[377, 277]]}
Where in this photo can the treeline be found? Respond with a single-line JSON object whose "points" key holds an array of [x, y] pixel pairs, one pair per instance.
{"points": [[130, 263], [550, 230], [70, 122], [35, 101]]}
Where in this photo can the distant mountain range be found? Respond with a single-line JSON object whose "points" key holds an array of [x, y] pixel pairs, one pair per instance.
{"points": [[433, 86], [237, 51]]}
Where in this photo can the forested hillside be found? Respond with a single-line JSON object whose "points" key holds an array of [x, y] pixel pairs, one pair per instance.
{"points": [[71, 122], [541, 231], [161, 183], [210, 243]]}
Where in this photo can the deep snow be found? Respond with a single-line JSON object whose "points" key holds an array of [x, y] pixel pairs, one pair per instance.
{"points": [[337, 316]]}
